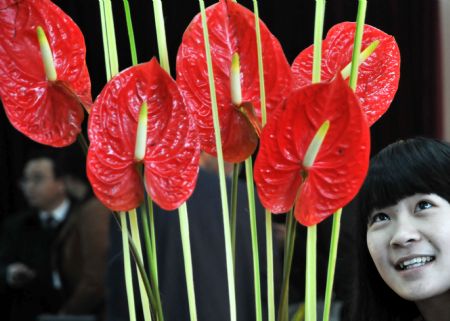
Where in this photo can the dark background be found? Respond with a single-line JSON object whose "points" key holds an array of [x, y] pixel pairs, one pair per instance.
{"points": [[416, 109]]}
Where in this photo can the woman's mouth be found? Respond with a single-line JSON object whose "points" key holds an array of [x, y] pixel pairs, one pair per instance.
{"points": [[415, 262]]}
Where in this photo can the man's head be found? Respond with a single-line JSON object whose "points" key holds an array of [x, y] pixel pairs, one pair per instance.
{"points": [[42, 183]]}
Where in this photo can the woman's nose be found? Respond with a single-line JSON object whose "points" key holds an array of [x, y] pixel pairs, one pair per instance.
{"points": [[405, 234]]}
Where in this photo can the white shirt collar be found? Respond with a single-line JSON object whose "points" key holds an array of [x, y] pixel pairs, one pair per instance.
{"points": [[59, 213]]}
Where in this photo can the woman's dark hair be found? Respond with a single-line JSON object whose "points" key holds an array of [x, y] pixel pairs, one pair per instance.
{"points": [[402, 169]]}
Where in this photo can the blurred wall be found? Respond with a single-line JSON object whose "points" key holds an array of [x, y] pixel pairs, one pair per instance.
{"points": [[444, 10]]}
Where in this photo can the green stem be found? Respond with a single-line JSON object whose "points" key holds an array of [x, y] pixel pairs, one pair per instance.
{"points": [[270, 273], [311, 292], [283, 314], [105, 39], [318, 33], [147, 236], [151, 219], [164, 62], [262, 89], [152, 259], [186, 243], [137, 241], [127, 267], [130, 247], [161, 35], [268, 215], [130, 30], [361, 16], [112, 47], [234, 194], [141, 272], [362, 7], [332, 263], [288, 241], [254, 236], [223, 188]]}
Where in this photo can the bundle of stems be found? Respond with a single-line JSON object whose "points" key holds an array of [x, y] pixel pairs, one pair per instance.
{"points": [[148, 282]]}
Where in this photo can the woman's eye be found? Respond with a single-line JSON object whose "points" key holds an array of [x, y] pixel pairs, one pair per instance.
{"points": [[423, 205], [379, 217]]}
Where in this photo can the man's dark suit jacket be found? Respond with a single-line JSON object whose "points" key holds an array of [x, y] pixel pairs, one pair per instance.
{"points": [[79, 254], [24, 240], [208, 255], [76, 249]]}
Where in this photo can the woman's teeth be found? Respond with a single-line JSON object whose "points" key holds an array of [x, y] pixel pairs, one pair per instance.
{"points": [[415, 262]]}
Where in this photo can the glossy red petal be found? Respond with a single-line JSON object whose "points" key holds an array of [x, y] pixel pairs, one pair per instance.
{"points": [[277, 186], [231, 29], [26, 94], [340, 166], [172, 152], [119, 190], [378, 76]]}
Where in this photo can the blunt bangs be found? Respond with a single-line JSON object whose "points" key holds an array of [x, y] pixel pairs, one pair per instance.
{"points": [[405, 168]]}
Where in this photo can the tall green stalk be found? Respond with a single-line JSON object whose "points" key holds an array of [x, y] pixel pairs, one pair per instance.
{"points": [[185, 240], [127, 267], [254, 237], [234, 197], [112, 68], [143, 275], [289, 242], [150, 245], [360, 19], [147, 207], [332, 263], [151, 222], [311, 251], [161, 35], [318, 34], [129, 247], [262, 90], [223, 187], [111, 38], [105, 39], [130, 30], [270, 272], [268, 215], [311, 292], [182, 210], [137, 241]]}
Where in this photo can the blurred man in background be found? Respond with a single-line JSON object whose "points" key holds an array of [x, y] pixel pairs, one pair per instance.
{"points": [[26, 274]]}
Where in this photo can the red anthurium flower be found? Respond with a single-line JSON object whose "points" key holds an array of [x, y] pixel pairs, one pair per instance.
{"points": [[287, 175], [231, 31], [43, 106], [378, 75], [171, 150]]}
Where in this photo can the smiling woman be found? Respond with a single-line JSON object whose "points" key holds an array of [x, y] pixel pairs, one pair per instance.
{"points": [[404, 234]]}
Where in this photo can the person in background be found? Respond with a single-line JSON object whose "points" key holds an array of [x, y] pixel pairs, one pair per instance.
{"points": [[26, 274], [53, 256]]}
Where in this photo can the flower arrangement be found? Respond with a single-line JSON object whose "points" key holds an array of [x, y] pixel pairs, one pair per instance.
{"points": [[234, 89]]}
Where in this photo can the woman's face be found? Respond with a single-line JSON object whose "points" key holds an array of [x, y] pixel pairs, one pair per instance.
{"points": [[410, 246]]}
